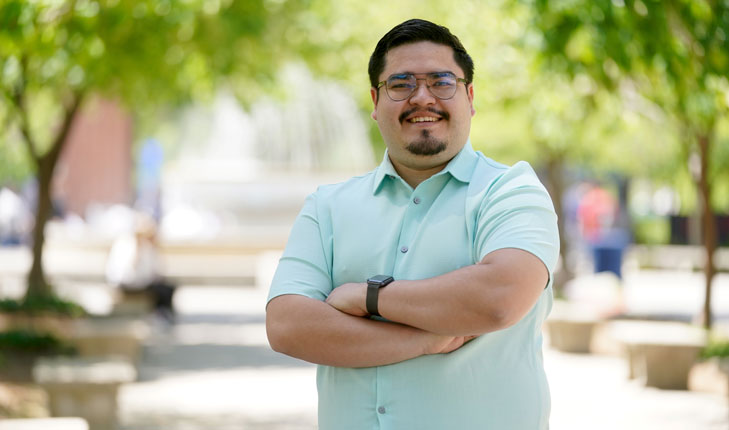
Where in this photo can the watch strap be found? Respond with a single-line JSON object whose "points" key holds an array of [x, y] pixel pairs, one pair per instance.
{"points": [[373, 292], [373, 295]]}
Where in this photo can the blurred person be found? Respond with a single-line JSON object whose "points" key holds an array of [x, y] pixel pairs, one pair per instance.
{"points": [[596, 213], [420, 288], [134, 266], [15, 218]]}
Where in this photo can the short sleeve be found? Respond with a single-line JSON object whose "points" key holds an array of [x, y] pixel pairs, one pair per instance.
{"points": [[304, 268], [517, 212]]}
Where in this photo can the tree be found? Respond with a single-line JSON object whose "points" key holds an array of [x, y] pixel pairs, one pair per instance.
{"points": [[673, 53], [56, 55]]}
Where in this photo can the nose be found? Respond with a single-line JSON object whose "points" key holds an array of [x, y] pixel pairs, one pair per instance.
{"points": [[421, 95]]}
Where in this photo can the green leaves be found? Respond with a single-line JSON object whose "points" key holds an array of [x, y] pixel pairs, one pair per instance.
{"points": [[150, 54], [50, 305]]}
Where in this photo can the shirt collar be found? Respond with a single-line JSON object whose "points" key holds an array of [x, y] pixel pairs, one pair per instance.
{"points": [[460, 167]]}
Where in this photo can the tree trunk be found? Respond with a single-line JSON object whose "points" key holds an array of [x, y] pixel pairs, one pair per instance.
{"points": [[555, 186], [709, 222], [38, 285]]}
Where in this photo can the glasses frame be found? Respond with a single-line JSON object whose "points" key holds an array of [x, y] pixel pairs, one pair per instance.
{"points": [[415, 75]]}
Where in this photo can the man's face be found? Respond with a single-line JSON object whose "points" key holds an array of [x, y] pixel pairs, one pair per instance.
{"points": [[423, 132]]}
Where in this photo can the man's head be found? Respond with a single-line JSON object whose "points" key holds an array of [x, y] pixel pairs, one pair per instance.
{"points": [[422, 94], [418, 30]]}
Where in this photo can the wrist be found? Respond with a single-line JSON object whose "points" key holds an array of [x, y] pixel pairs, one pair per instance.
{"points": [[374, 284]]}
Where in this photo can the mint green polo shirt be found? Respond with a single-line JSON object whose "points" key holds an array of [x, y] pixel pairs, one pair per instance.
{"points": [[377, 224]]}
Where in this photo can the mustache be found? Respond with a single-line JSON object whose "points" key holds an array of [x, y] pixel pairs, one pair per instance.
{"points": [[445, 115]]}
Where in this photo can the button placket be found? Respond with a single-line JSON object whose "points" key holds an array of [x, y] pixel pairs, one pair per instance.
{"points": [[416, 200]]}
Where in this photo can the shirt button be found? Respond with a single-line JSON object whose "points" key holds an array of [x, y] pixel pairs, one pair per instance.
{"points": [[416, 200], [404, 249], [381, 410]]}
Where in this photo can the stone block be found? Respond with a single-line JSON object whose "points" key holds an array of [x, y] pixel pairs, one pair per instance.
{"points": [[659, 353], [571, 334], [570, 328], [84, 387], [58, 326], [708, 376], [110, 337], [128, 303]]}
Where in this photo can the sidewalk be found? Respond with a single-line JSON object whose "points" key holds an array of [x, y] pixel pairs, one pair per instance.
{"points": [[214, 370]]}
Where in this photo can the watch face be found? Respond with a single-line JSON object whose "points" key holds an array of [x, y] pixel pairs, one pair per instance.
{"points": [[379, 279]]}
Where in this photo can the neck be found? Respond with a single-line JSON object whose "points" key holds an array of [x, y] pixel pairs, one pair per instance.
{"points": [[414, 175]]}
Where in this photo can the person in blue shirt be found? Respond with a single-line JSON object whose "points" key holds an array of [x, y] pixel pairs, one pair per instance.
{"points": [[420, 288]]}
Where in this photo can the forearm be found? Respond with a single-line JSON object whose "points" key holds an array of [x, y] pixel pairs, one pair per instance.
{"points": [[318, 333], [491, 295], [459, 302]]}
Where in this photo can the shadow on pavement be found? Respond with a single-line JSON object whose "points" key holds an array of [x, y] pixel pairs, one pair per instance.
{"points": [[194, 358], [211, 342]]}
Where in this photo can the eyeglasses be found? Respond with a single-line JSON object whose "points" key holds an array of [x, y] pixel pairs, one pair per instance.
{"points": [[401, 86]]}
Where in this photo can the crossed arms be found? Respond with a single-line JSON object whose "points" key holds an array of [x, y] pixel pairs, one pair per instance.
{"points": [[428, 316]]}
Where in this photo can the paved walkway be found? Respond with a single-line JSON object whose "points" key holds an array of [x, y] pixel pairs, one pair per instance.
{"points": [[214, 370]]}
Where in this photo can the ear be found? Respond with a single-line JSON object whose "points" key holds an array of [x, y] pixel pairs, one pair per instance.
{"points": [[470, 99], [373, 94]]}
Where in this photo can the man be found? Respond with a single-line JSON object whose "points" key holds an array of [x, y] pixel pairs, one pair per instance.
{"points": [[470, 244]]}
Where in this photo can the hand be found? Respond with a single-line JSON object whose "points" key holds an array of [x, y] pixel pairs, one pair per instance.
{"points": [[444, 344], [350, 298]]}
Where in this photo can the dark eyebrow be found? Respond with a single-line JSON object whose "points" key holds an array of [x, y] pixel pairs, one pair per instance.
{"points": [[443, 73], [402, 75]]}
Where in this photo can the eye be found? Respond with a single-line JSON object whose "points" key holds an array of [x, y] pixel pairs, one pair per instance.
{"points": [[401, 81], [441, 79]]}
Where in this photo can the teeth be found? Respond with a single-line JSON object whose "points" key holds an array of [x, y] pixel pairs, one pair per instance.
{"points": [[424, 119]]}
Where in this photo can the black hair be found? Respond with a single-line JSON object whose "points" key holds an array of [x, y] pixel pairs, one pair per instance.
{"points": [[418, 30]]}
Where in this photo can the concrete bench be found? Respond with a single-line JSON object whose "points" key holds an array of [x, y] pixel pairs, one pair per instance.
{"points": [[84, 387], [710, 376], [659, 353], [110, 337], [132, 303], [44, 424], [571, 328], [58, 326], [571, 334]]}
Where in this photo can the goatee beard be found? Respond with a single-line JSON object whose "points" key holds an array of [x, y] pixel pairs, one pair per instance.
{"points": [[428, 145]]}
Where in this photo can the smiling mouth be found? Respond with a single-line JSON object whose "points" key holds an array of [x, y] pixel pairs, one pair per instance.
{"points": [[416, 115], [423, 119]]}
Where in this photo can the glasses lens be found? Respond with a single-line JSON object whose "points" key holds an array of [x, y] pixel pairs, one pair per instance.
{"points": [[442, 84], [399, 87]]}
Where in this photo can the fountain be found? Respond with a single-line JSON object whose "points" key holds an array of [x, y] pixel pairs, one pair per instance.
{"points": [[241, 177]]}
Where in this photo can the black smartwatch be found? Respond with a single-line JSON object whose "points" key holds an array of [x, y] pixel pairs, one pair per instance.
{"points": [[373, 292]]}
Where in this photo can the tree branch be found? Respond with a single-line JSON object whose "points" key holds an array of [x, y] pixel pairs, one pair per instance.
{"points": [[17, 98], [60, 140], [7, 119]]}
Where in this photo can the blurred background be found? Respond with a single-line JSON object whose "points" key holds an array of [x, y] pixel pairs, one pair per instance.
{"points": [[215, 119]]}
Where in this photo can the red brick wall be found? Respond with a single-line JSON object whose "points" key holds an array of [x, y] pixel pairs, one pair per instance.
{"points": [[96, 164]]}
